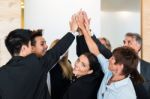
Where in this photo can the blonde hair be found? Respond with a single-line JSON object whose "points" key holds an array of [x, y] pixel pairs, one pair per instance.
{"points": [[107, 45], [64, 63]]}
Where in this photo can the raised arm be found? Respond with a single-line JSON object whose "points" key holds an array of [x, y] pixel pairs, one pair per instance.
{"points": [[84, 26], [93, 48], [104, 51], [82, 47], [53, 55]]}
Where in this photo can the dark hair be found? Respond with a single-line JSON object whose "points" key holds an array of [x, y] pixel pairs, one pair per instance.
{"points": [[129, 58], [35, 34], [93, 63], [16, 39]]}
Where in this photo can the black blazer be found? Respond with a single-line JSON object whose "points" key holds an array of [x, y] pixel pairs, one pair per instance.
{"points": [[82, 47], [25, 77], [59, 84], [141, 92], [85, 87], [145, 72]]}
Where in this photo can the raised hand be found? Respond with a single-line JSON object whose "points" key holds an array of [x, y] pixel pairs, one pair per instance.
{"points": [[83, 22], [86, 21], [73, 24], [80, 20]]}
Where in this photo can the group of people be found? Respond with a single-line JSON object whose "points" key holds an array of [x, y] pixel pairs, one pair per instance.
{"points": [[36, 72]]}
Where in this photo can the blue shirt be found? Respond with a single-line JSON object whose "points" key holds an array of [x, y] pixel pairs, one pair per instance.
{"points": [[122, 89]]}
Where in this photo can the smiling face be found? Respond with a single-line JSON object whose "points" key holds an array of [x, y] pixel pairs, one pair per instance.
{"points": [[40, 46], [82, 66], [123, 61], [116, 69], [132, 43]]}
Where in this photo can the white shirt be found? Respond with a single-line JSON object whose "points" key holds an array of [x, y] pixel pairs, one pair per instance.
{"points": [[139, 66], [49, 83]]}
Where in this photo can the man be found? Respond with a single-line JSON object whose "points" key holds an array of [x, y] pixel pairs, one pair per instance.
{"points": [[39, 48], [134, 41], [38, 43], [24, 76]]}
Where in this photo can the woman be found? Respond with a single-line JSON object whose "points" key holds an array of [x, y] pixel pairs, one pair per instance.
{"points": [[61, 75], [122, 67], [118, 75], [88, 76]]}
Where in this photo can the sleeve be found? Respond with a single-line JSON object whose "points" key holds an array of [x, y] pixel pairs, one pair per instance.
{"points": [[103, 50], [53, 55], [104, 63], [82, 47]]}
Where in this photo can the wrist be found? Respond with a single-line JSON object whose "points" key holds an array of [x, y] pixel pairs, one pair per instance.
{"points": [[73, 33]]}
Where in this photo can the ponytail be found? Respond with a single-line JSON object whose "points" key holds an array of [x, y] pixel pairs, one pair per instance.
{"points": [[136, 77]]}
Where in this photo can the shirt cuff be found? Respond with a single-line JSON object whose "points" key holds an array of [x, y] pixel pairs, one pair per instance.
{"points": [[73, 33]]}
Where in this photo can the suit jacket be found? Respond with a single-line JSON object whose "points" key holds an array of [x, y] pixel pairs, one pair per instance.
{"points": [[59, 84], [145, 72], [25, 77], [141, 92], [82, 47], [85, 87]]}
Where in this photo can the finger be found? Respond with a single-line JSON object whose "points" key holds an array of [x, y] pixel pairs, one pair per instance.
{"points": [[89, 21]]}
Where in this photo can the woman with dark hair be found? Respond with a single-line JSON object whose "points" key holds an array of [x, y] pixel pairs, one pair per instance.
{"points": [[87, 73], [117, 80], [127, 74], [121, 70]]}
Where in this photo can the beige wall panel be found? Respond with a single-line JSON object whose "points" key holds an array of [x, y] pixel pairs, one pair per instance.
{"points": [[10, 19], [146, 29]]}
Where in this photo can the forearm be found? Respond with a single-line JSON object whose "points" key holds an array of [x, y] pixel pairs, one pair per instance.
{"points": [[81, 46], [53, 55], [103, 50], [90, 43]]}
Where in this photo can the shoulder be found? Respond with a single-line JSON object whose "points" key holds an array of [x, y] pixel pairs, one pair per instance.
{"points": [[143, 62], [87, 82], [128, 91], [128, 95]]}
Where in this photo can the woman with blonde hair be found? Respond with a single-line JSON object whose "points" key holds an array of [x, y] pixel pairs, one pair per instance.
{"points": [[61, 75]]}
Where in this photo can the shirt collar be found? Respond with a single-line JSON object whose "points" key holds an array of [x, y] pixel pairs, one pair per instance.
{"points": [[115, 85], [139, 66]]}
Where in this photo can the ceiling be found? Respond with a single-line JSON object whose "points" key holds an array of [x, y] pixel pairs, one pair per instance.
{"points": [[120, 5]]}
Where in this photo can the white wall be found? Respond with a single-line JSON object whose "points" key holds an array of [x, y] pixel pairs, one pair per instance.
{"points": [[114, 25], [53, 16]]}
